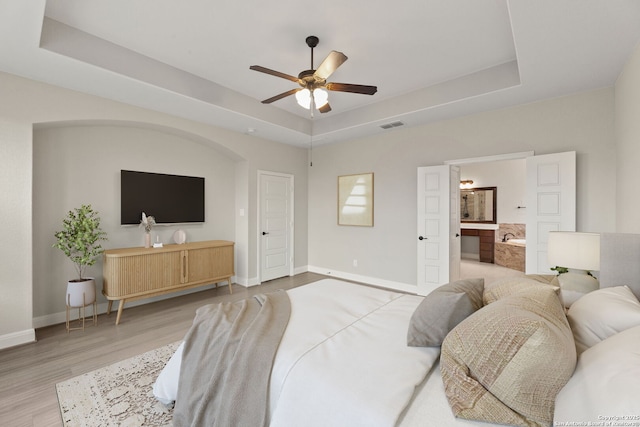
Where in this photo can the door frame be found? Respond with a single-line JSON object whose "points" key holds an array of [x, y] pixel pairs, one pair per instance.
{"points": [[290, 229], [487, 159]]}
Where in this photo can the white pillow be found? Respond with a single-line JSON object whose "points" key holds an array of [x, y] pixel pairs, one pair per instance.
{"points": [[165, 389], [604, 384], [601, 314]]}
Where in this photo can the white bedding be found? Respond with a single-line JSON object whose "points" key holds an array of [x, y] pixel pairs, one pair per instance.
{"points": [[339, 333], [355, 336]]}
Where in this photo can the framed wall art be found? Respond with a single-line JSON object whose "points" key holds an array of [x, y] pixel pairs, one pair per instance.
{"points": [[355, 200]]}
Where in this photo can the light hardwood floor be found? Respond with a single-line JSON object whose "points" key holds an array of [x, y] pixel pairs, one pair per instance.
{"points": [[29, 373]]}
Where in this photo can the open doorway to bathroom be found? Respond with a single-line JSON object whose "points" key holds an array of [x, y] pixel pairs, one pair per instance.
{"points": [[509, 177], [550, 189]]}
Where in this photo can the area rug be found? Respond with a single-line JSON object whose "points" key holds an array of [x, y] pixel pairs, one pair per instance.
{"points": [[117, 395]]}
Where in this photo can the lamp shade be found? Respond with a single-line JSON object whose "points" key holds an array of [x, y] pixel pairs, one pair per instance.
{"points": [[580, 251]]}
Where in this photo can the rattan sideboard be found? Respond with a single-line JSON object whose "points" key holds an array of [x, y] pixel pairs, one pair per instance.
{"points": [[134, 273]]}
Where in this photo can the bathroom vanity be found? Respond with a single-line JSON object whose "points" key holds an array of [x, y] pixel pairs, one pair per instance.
{"points": [[478, 218], [487, 241]]}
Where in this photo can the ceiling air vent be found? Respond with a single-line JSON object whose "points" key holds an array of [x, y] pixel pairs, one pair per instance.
{"points": [[392, 125]]}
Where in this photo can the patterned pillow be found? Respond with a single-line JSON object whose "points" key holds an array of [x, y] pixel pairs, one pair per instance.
{"points": [[508, 286], [507, 362], [442, 310]]}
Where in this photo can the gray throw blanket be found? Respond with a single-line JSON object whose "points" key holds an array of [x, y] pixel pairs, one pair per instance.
{"points": [[227, 360]]}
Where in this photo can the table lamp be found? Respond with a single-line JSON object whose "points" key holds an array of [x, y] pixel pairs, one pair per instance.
{"points": [[579, 253]]}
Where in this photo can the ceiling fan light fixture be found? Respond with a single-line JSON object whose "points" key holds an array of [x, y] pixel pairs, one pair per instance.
{"points": [[320, 97], [304, 98]]}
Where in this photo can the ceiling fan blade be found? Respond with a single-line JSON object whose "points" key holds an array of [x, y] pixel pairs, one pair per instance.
{"points": [[346, 87], [325, 108], [330, 64], [273, 73], [280, 96]]}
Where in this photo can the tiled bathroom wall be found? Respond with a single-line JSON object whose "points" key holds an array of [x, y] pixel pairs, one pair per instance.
{"points": [[518, 230]]}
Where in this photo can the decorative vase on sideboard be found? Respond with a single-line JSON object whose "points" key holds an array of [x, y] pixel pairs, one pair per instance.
{"points": [[81, 293]]}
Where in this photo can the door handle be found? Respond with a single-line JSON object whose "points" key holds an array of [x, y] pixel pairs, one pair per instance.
{"points": [[264, 233], [422, 238], [457, 235]]}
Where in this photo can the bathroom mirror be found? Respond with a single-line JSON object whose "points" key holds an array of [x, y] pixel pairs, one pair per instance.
{"points": [[478, 205]]}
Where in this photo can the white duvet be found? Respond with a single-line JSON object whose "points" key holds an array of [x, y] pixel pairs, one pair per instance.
{"points": [[343, 359]]}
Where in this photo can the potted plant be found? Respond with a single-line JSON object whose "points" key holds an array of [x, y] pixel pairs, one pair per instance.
{"points": [[80, 241]]}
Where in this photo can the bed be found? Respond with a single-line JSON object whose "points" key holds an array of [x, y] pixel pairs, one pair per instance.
{"points": [[353, 355]]}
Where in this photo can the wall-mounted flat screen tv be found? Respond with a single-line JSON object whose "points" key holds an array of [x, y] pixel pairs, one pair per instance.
{"points": [[168, 198]]}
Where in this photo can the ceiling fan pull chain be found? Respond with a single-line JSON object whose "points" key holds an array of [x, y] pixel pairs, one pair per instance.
{"points": [[311, 149], [312, 103]]}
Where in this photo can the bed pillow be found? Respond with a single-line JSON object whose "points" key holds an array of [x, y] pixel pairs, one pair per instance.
{"points": [[506, 363], [507, 286], [601, 314], [605, 383], [442, 310]]}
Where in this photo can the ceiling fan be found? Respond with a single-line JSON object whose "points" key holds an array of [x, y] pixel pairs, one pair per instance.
{"points": [[313, 82]]}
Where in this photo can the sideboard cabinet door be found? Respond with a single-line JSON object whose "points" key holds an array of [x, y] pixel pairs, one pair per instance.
{"points": [[207, 263], [140, 274]]}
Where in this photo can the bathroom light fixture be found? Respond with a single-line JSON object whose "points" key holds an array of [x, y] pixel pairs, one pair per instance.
{"points": [[466, 183], [320, 98], [579, 253]]}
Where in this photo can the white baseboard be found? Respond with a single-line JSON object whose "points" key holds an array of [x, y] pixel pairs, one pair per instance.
{"points": [[301, 270], [17, 338], [398, 286], [247, 283]]}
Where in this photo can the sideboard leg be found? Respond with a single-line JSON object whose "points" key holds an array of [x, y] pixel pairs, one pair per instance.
{"points": [[109, 305], [229, 280], [120, 307]]}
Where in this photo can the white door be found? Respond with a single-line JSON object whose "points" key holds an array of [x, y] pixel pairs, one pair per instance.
{"points": [[551, 204], [438, 226], [275, 225], [455, 241]]}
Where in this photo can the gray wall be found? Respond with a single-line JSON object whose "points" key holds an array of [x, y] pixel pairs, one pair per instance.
{"points": [[77, 165], [627, 108]]}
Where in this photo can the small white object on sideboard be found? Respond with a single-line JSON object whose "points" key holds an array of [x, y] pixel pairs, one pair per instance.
{"points": [[179, 237]]}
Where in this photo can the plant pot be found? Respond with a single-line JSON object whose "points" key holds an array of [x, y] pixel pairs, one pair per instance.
{"points": [[81, 293], [147, 240]]}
